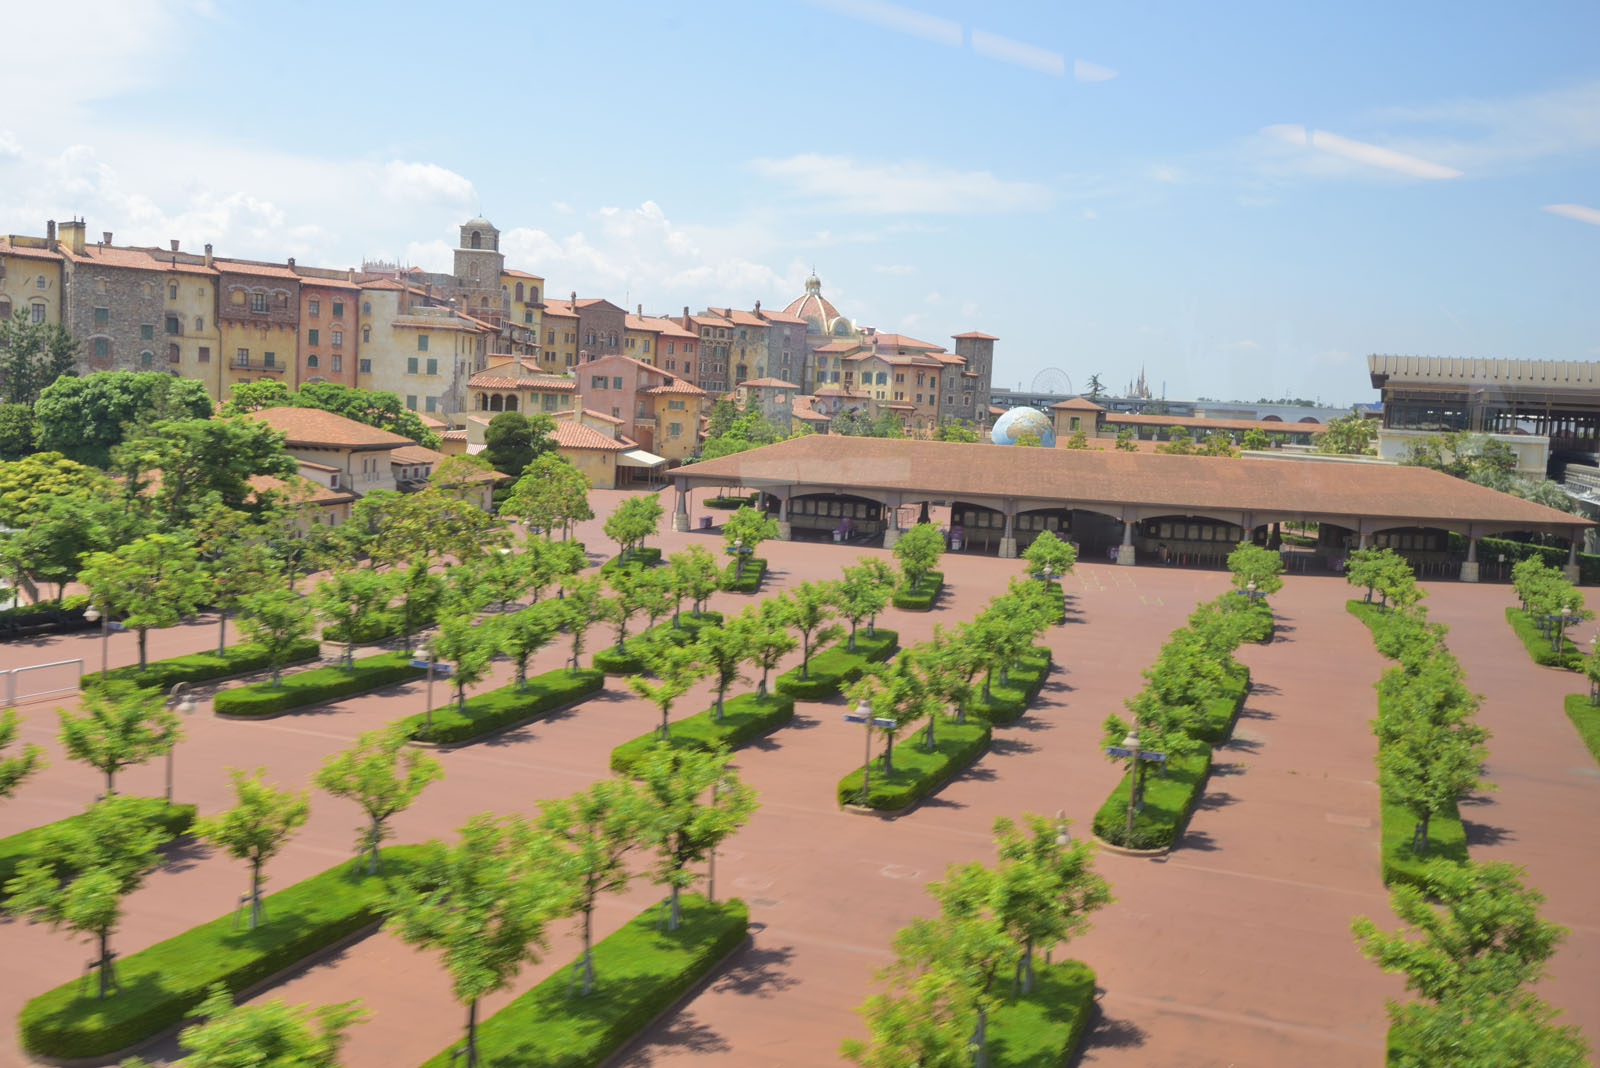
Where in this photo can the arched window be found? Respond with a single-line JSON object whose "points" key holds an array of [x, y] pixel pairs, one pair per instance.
{"points": [[311, 361], [172, 352], [519, 290], [533, 294], [477, 239], [5, 307], [146, 358], [613, 339], [496, 403], [483, 403], [511, 403]]}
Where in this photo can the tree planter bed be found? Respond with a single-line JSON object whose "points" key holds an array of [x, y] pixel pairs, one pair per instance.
{"points": [[174, 820], [1008, 700], [917, 772], [649, 556], [1538, 646], [1221, 712], [319, 685], [1043, 1029], [1169, 800], [504, 708], [1586, 718], [834, 668], [755, 569], [922, 597], [633, 662], [744, 718], [381, 627], [205, 667]]}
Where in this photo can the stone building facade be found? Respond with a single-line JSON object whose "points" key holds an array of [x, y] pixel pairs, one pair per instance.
{"points": [[112, 302]]}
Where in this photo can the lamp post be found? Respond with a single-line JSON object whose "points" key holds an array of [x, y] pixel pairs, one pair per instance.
{"points": [[739, 553], [93, 613], [863, 714], [1131, 743], [424, 652], [711, 871], [1562, 620], [1501, 573], [1047, 576], [178, 698]]}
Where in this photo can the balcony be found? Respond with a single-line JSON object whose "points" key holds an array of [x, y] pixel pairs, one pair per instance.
{"points": [[251, 365]]}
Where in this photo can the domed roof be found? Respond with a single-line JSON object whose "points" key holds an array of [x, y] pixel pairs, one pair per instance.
{"points": [[814, 305], [479, 221]]}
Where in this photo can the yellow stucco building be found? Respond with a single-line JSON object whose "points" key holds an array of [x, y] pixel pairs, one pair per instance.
{"points": [[30, 278]]}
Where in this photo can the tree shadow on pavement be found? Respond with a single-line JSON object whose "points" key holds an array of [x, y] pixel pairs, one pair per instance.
{"points": [[1263, 689], [680, 1032], [760, 971], [1199, 841], [1215, 799], [183, 855], [1482, 834], [1008, 746], [1108, 1032]]}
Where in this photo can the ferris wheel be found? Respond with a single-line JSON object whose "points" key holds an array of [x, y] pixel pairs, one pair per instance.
{"points": [[1052, 380]]}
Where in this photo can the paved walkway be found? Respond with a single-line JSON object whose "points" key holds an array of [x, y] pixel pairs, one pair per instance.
{"points": [[1234, 950]]}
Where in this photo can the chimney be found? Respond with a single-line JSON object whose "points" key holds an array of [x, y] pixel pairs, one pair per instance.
{"points": [[72, 235], [291, 263], [640, 308], [174, 244], [685, 323], [208, 254], [574, 300], [758, 311], [106, 235], [50, 231]]}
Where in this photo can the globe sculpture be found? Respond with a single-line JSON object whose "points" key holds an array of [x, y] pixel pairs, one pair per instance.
{"points": [[1021, 420]]}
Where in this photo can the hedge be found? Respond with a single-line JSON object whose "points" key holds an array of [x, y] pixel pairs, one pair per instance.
{"points": [[634, 661], [1586, 718], [834, 668], [378, 627], [1043, 1029], [1262, 626], [203, 667], [1218, 714], [163, 985], [729, 503], [920, 599], [640, 971], [642, 557], [1169, 798], [1447, 840], [744, 717], [755, 569], [46, 617], [917, 771], [1538, 645], [317, 685], [490, 711], [1491, 548], [173, 820], [1008, 700]]}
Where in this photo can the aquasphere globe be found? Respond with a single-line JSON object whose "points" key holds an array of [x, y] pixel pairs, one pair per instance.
{"points": [[1018, 420]]}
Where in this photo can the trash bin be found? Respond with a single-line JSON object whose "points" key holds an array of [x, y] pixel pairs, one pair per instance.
{"points": [[705, 522], [838, 535]]}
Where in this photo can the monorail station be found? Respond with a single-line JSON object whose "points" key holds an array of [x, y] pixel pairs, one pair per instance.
{"points": [[1131, 505]]}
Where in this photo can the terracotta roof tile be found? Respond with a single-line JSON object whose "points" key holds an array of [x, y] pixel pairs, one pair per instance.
{"points": [[453, 435], [8, 248], [678, 386], [771, 383], [901, 341], [256, 270], [1077, 403], [382, 283], [976, 334], [313, 426], [838, 346], [320, 494], [571, 434]]}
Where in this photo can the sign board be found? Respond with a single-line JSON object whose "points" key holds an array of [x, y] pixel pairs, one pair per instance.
{"points": [[877, 721], [438, 668], [1144, 754]]}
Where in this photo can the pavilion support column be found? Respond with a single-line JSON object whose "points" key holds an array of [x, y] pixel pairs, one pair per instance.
{"points": [[680, 514], [1008, 540], [785, 528], [1366, 541], [1126, 551], [891, 525], [922, 517], [1571, 570], [1469, 570]]}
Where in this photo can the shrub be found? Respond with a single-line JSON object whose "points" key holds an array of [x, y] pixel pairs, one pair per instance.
{"points": [[920, 599], [918, 772], [1169, 798], [1007, 701], [45, 617], [635, 661], [729, 503], [380, 626], [1447, 840], [162, 985], [1218, 714], [173, 820], [1538, 645], [743, 718], [641, 970], [835, 667], [487, 712], [1261, 622], [755, 569], [317, 685], [203, 667], [1044, 1028], [1586, 718], [647, 556]]}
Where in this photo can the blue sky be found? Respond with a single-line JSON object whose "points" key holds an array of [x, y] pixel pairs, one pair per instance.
{"points": [[1244, 199]]}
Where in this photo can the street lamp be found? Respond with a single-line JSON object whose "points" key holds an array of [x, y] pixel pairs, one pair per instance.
{"points": [[177, 698], [1131, 743], [863, 714], [739, 553], [93, 613], [1562, 621], [423, 657], [1502, 572], [1063, 836]]}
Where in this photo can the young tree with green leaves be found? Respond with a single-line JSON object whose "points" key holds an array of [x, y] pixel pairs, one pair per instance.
{"points": [[118, 726], [580, 608], [1078, 439], [551, 495], [276, 620], [684, 823], [419, 592], [722, 652], [383, 774], [1255, 439], [350, 599], [626, 601], [653, 592], [270, 1034], [949, 662], [894, 691], [955, 430], [1427, 766], [257, 828], [469, 646], [1126, 441], [484, 903], [859, 595], [1253, 563], [203, 461], [675, 669], [550, 562], [632, 521], [1180, 442], [152, 582], [767, 623], [810, 606], [1348, 435], [595, 830], [85, 418], [82, 869], [513, 440], [236, 561], [1045, 887], [696, 575], [918, 551], [14, 769], [746, 529], [523, 634], [32, 356], [1048, 553]]}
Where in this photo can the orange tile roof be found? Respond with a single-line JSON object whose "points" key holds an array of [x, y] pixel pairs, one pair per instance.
{"points": [[320, 494], [521, 274], [838, 346], [737, 317], [453, 435], [781, 317], [901, 341], [602, 416], [7, 248], [634, 322], [671, 328], [382, 283], [771, 383], [574, 435], [676, 386], [561, 309], [430, 422], [420, 454], [258, 270], [976, 334], [1077, 403], [312, 281], [313, 426]]}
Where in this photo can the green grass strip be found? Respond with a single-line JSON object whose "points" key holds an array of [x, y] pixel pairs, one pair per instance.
{"points": [[1008, 700], [834, 668], [640, 970], [490, 711], [918, 772], [1447, 840], [165, 983], [1538, 645], [1043, 1029], [202, 667], [317, 685], [755, 569], [744, 717], [646, 556], [1217, 716], [1586, 717], [1169, 798], [173, 820], [635, 660], [922, 597]]}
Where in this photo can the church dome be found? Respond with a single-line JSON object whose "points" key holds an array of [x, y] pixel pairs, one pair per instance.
{"points": [[818, 312]]}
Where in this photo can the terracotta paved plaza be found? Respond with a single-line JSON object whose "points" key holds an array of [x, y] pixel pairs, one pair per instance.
{"points": [[1233, 950]]}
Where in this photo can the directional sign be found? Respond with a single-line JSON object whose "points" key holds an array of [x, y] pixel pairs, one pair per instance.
{"points": [[1144, 754], [438, 668], [877, 721]]}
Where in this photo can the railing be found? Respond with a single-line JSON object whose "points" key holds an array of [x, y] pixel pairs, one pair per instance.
{"points": [[12, 674]]}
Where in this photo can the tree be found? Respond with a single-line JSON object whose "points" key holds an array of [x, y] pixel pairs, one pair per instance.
{"points": [[949, 663], [419, 591], [271, 1034], [512, 440], [1125, 440], [551, 495], [850, 423], [83, 418], [524, 633], [768, 626], [955, 430], [503, 576], [78, 874], [580, 608], [625, 602], [675, 669], [257, 828], [468, 645], [859, 595], [887, 424], [896, 692], [549, 562], [350, 599], [747, 528], [722, 652], [29, 484], [1045, 887], [1348, 435], [191, 463], [383, 774], [236, 562], [653, 591], [918, 551], [14, 769], [32, 356], [631, 522], [151, 582], [1256, 439], [747, 431], [244, 397], [596, 828], [1427, 765], [1254, 564], [682, 828], [378, 408], [1027, 438], [1078, 439], [1096, 388], [19, 431], [695, 575], [277, 621], [59, 532], [1180, 442], [118, 726], [1217, 443], [723, 413], [810, 608], [484, 903], [1049, 554]]}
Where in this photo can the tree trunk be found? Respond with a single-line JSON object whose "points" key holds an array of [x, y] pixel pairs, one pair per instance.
{"points": [[373, 838], [222, 631], [277, 676], [472, 1034], [927, 736], [987, 677], [107, 977], [522, 675], [111, 781], [666, 731], [255, 896], [888, 755], [584, 966], [852, 645], [980, 1041], [143, 633], [674, 910], [761, 690], [717, 715], [461, 696], [805, 656]]}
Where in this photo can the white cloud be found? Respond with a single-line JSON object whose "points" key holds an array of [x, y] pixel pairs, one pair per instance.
{"points": [[1164, 172], [1085, 71], [1019, 53], [1362, 152], [561, 207], [842, 184], [894, 268], [899, 18], [1090, 214], [1495, 133], [1575, 211], [10, 147], [1245, 345], [933, 298], [416, 183]]}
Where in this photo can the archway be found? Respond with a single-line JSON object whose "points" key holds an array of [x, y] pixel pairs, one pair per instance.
{"points": [[511, 403], [1188, 540], [839, 517], [979, 527]]}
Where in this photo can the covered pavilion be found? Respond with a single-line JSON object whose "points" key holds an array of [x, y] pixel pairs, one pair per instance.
{"points": [[1140, 502]]}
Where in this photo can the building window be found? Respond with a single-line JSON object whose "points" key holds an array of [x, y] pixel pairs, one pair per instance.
{"points": [[422, 342], [597, 381], [366, 334], [433, 367], [312, 336], [102, 316], [527, 315], [338, 338], [411, 365], [364, 367], [269, 359], [674, 429], [432, 403], [102, 346], [147, 332], [205, 354], [312, 362], [313, 307], [647, 344], [172, 291], [411, 401], [519, 291], [172, 353], [616, 383], [5, 307], [550, 402], [38, 311], [40, 283], [338, 309], [366, 307], [550, 337], [199, 323], [338, 362], [146, 358], [258, 303], [242, 358]]}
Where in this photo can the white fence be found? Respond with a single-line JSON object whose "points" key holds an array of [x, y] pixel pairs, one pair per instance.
{"points": [[60, 676]]}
